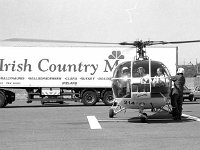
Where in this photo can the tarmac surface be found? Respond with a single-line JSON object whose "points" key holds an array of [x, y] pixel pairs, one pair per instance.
{"points": [[57, 127]]}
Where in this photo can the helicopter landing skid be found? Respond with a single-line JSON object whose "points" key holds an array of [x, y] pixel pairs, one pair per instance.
{"points": [[167, 108]]}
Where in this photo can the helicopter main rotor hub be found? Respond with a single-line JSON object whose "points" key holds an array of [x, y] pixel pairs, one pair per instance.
{"points": [[140, 52]]}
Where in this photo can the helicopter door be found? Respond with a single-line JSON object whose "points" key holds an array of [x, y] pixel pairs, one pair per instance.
{"points": [[122, 81], [141, 81], [160, 86]]}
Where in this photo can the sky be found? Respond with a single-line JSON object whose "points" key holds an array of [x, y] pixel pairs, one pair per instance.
{"points": [[105, 21]]}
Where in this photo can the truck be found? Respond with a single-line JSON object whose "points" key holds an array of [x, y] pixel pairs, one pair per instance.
{"points": [[58, 74]]}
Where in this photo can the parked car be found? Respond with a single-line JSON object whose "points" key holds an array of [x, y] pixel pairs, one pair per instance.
{"points": [[196, 93], [188, 94]]}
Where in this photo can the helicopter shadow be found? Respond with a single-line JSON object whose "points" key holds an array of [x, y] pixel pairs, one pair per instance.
{"points": [[160, 117]]}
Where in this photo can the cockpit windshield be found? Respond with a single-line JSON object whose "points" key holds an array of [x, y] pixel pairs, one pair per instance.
{"points": [[141, 76]]}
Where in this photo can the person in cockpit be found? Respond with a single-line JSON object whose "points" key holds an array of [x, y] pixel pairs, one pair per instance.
{"points": [[144, 80], [159, 80], [145, 77], [127, 82], [126, 72]]}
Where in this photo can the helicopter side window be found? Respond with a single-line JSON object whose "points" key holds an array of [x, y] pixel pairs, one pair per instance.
{"points": [[161, 77], [125, 82], [122, 88], [122, 81], [160, 80]]}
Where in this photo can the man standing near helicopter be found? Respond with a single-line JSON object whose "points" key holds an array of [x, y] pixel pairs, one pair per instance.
{"points": [[177, 94]]}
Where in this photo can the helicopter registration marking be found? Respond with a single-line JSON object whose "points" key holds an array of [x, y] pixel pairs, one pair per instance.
{"points": [[129, 102]]}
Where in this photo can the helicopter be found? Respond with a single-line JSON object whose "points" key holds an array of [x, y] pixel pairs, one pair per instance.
{"points": [[133, 81]]}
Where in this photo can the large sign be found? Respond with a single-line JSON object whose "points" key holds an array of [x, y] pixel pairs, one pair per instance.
{"points": [[60, 66]]}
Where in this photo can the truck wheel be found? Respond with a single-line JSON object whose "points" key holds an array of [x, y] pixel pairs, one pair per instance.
{"points": [[2, 99], [89, 98], [5, 104], [108, 98]]}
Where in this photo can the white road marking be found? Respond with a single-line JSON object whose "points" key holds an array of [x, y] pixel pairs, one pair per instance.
{"points": [[191, 117], [93, 122]]}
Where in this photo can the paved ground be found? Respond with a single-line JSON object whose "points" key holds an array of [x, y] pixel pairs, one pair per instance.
{"points": [[32, 126]]}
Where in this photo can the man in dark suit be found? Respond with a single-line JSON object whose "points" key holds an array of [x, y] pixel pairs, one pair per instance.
{"points": [[177, 94]]}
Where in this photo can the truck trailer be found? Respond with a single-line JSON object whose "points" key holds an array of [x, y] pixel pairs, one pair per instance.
{"points": [[58, 74]]}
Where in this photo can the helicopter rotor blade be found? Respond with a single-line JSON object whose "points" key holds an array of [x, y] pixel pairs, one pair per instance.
{"points": [[173, 42], [57, 41], [134, 43]]}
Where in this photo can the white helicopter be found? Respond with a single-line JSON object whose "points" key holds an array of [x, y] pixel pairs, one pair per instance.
{"points": [[133, 81], [135, 86]]}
